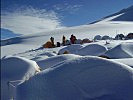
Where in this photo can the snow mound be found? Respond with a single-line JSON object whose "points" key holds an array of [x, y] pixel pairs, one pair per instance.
{"points": [[123, 50], [92, 49], [15, 68], [84, 78], [71, 48], [49, 62]]}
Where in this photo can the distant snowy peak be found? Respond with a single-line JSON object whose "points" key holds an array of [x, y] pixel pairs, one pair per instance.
{"points": [[126, 15], [5, 34], [123, 15]]}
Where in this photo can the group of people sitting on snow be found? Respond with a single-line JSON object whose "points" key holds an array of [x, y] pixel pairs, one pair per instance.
{"points": [[73, 40]]}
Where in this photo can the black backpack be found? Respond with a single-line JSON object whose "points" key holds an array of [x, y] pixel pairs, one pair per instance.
{"points": [[58, 44]]}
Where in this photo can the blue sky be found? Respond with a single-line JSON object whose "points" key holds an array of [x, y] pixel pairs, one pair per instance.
{"points": [[32, 16]]}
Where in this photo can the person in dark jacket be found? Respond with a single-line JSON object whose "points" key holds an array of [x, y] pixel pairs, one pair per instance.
{"points": [[64, 40], [58, 44], [52, 41]]}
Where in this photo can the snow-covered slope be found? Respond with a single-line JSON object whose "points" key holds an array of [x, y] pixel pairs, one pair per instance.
{"points": [[5, 34], [123, 15], [127, 15], [84, 78], [104, 27]]}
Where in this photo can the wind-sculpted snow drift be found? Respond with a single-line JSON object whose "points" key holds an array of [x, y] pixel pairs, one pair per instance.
{"points": [[83, 50], [49, 62], [124, 50], [84, 78], [15, 69], [92, 49], [70, 48]]}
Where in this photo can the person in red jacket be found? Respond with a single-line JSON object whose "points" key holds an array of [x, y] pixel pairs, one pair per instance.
{"points": [[73, 39]]}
